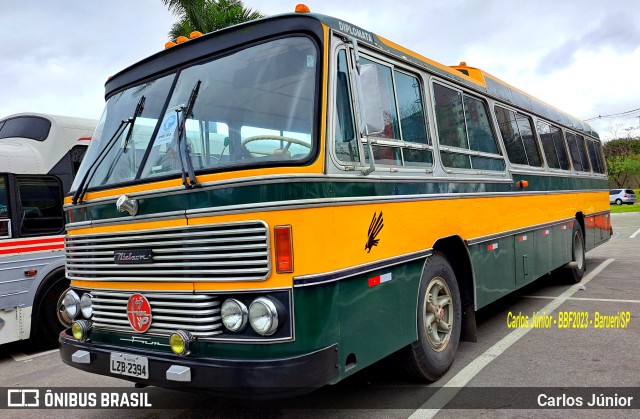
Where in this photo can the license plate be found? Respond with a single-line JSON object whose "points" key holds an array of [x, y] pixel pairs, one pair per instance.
{"points": [[131, 365]]}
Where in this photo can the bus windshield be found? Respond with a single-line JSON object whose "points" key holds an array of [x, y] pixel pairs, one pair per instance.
{"points": [[251, 107]]}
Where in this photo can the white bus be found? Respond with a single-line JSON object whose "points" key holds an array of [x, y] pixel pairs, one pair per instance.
{"points": [[39, 156]]}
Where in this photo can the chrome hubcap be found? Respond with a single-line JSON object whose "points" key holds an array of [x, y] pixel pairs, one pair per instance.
{"points": [[438, 314]]}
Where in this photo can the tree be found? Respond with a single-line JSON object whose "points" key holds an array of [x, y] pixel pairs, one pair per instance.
{"points": [[207, 15], [623, 159]]}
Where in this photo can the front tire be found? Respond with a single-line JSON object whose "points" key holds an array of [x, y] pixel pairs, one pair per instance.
{"points": [[439, 318]]}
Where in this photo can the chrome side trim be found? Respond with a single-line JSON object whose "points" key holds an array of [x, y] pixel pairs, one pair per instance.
{"points": [[503, 234], [340, 274]]}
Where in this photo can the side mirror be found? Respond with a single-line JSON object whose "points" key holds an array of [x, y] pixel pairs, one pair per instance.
{"points": [[373, 116]]}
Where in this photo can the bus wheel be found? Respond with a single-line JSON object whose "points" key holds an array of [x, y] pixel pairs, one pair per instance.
{"points": [[439, 321], [574, 274], [48, 322]]}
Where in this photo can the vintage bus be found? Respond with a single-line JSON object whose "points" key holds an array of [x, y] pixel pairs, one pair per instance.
{"points": [[277, 205], [39, 156]]}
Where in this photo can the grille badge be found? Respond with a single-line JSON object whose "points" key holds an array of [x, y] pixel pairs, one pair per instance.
{"points": [[132, 257], [139, 313]]}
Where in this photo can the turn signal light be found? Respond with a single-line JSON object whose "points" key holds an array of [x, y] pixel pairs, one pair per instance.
{"points": [[284, 249], [522, 184], [302, 8]]}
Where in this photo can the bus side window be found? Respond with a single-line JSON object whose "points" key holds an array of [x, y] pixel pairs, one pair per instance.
{"points": [[553, 146], [595, 163], [582, 149], [403, 141], [598, 156], [346, 146], [575, 154], [517, 133], [464, 128], [41, 206]]}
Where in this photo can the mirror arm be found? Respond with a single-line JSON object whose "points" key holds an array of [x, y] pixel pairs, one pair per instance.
{"points": [[363, 125], [356, 52], [372, 166]]}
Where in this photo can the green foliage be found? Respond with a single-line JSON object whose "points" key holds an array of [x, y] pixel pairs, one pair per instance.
{"points": [[207, 15], [623, 159]]}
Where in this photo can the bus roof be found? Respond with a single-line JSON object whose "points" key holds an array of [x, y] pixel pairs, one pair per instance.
{"points": [[22, 155], [470, 77]]}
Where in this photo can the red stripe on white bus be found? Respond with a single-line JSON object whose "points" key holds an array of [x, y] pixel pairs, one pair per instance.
{"points": [[28, 242], [31, 245], [18, 250]]}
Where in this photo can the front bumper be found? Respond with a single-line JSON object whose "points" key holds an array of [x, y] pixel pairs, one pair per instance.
{"points": [[232, 377]]}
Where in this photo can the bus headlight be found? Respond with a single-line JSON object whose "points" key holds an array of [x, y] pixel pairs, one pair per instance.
{"points": [[85, 306], [180, 342], [71, 303], [80, 329], [234, 315], [263, 316]]}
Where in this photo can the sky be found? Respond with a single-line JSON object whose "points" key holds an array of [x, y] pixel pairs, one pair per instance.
{"points": [[581, 56]]}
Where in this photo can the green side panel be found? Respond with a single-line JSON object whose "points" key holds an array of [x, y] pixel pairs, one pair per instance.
{"points": [[494, 269], [376, 321], [590, 233], [561, 183], [543, 239], [525, 257], [562, 244]]}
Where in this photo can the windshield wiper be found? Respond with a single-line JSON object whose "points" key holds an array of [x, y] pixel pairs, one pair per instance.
{"points": [[136, 114], [185, 154], [86, 179]]}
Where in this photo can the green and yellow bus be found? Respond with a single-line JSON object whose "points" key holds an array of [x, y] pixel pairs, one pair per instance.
{"points": [[277, 205]]}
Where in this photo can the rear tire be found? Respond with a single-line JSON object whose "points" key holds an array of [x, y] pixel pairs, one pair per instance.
{"points": [[618, 201], [574, 275], [439, 317]]}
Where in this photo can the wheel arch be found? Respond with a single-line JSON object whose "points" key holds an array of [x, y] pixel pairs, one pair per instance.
{"points": [[455, 250], [580, 218]]}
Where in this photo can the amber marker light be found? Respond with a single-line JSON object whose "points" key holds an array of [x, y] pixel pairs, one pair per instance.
{"points": [[284, 248], [195, 34], [181, 39], [522, 184], [302, 8], [169, 45]]}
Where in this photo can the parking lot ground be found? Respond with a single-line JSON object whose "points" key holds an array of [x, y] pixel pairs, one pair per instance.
{"points": [[506, 363]]}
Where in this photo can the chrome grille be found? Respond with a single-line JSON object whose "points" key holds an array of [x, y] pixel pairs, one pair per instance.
{"points": [[217, 252], [198, 314]]}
